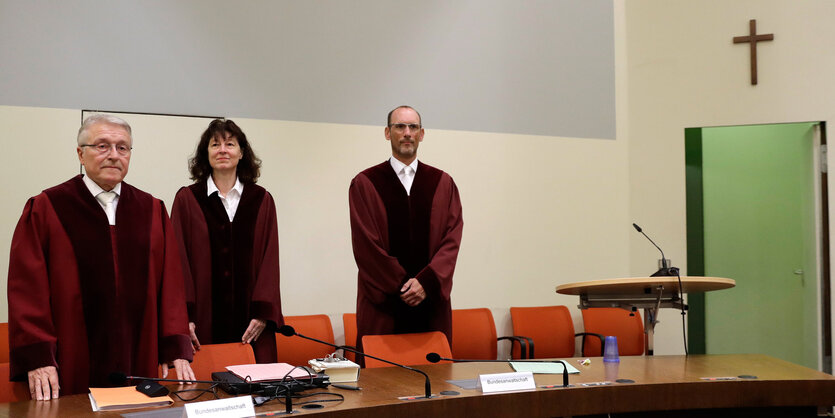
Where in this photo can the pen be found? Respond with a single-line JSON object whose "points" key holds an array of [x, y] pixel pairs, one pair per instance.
{"points": [[348, 387]]}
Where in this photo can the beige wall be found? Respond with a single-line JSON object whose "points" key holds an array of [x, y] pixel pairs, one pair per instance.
{"points": [[538, 211], [684, 71]]}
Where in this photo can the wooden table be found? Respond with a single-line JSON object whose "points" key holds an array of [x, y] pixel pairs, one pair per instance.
{"points": [[649, 293], [662, 384]]}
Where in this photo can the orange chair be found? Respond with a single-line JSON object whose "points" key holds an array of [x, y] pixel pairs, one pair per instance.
{"points": [[296, 350], [549, 331], [215, 357], [625, 325], [11, 391], [349, 325], [474, 334], [407, 349], [4, 342]]}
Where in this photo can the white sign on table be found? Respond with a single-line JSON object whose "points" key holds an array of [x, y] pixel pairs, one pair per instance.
{"points": [[506, 382], [238, 407]]}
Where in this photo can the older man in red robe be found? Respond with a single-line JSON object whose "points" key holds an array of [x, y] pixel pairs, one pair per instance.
{"points": [[406, 227], [95, 283]]}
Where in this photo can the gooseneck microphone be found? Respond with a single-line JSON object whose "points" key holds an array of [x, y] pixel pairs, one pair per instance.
{"points": [[148, 385], [435, 357], [670, 272], [289, 331], [118, 378], [664, 270]]}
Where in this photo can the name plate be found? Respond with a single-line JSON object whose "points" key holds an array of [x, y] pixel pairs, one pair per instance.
{"points": [[506, 382], [222, 408]]}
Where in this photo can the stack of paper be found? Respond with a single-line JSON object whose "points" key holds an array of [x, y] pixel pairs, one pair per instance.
{"points": [[339, 371], [111, 399], [267, 372]]}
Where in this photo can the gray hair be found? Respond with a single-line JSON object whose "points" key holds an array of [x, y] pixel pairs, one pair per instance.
{"points": [[84, 130]]}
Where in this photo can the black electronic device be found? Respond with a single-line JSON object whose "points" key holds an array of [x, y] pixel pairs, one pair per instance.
{"points": [[234, 385], [152, 389]]}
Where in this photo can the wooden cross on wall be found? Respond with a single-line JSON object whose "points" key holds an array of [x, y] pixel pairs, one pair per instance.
{"points": [[753, 38]]}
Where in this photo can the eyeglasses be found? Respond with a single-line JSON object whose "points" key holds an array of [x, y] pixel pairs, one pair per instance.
{"points": [[403, 126], [104, 148]]}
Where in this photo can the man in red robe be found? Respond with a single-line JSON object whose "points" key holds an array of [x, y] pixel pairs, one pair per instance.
{"points": [[406, 229], [95, 283]]}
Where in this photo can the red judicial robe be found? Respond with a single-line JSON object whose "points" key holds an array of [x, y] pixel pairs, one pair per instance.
{"points": [[232, 271], [396, 237], [92, 299]]}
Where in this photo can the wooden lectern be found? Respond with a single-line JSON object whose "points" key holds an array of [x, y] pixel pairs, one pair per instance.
{"points": [[647, 293]]}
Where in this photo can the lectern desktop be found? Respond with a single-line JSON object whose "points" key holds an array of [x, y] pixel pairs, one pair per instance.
{"points": [[647, 293]]}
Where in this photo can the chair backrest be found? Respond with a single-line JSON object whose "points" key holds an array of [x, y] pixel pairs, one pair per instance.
{"points": [[475, 334], [406, 349], [296, 350], [11, 391], [616, 322], [215, 357], [349, 325], [4, 343], [550, 327]]}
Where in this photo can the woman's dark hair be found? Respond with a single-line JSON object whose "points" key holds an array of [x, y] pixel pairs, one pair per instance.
{"points": [[249, 167]]}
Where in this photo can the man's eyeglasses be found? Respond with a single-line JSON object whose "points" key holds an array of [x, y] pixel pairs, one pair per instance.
{"points": [[403, 126], [104, 148]]}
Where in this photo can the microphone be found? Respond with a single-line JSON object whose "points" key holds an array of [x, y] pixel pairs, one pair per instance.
{"points": [[664, 270], [435, 357], [669, 271], [119, 379], [288, 331]]}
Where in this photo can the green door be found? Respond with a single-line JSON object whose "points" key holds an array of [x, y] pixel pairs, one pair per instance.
{"points": [[759, 229]]}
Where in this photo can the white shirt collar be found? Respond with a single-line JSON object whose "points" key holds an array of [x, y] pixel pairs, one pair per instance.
{"points": [[95, 189], [211, 187], [398, 165]]}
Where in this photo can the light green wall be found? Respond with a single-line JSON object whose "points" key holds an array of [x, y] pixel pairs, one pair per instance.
{"points": [[759, 228]]}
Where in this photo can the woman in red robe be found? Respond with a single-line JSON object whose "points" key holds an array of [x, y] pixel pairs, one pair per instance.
{"points": [[228, 234]]}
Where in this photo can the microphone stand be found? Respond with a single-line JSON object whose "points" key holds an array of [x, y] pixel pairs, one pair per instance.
{"points": [[119, 378], [289, 331], [664, 270]]}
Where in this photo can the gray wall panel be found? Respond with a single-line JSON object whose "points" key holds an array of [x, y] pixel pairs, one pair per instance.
{"points": [[530, 67]]}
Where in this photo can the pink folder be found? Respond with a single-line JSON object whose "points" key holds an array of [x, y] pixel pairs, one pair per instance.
{"points": [[267, 371]]}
